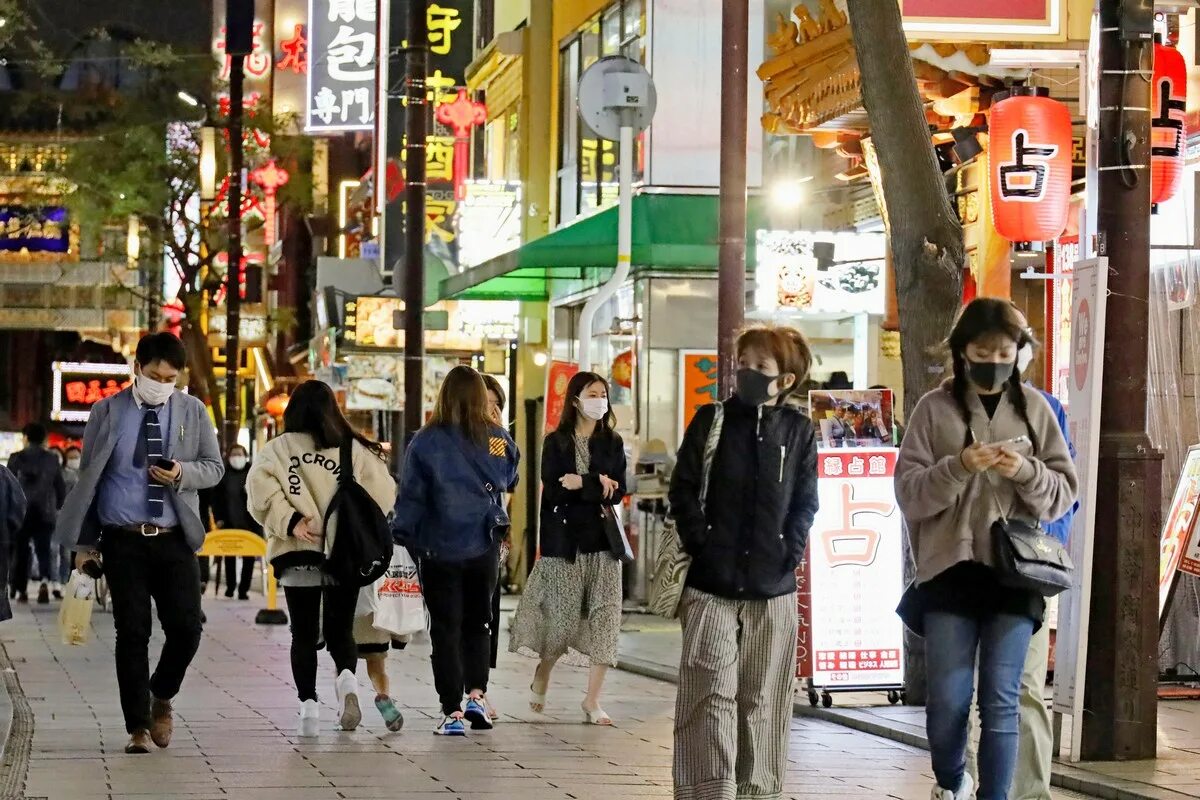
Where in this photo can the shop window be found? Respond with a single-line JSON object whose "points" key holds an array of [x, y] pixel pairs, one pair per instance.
{"points": [[587, 176]]}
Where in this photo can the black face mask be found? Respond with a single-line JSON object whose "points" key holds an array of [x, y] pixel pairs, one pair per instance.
{"points": [[989, 376], [753, 387]]}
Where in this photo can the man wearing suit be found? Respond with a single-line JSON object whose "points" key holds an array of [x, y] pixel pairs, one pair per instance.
{"points": [[147, 451]]}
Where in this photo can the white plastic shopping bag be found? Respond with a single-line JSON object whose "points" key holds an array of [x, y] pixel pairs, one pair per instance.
{"points": [[399, 604], [75, 615]]}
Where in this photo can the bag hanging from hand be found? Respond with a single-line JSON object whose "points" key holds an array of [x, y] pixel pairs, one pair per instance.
{"points": [[671, 562], [362, 548], [399, 604], [614, 529], [75, 615]]}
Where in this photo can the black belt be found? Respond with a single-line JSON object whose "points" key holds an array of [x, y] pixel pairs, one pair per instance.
{"points": [[143, 529]]}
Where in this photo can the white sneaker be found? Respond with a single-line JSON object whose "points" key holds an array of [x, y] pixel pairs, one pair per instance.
{"points": [[966, 791], [310, 720], [349, 710]]}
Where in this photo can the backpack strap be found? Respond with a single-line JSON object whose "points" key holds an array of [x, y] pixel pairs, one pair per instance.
{"points": [[346, 461]]}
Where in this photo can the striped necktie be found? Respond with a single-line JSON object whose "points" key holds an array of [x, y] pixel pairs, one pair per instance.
{"points": [[156, 493]]}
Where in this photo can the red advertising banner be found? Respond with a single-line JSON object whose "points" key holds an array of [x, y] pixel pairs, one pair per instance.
{"points": [[1011, 21], [557, 379]]}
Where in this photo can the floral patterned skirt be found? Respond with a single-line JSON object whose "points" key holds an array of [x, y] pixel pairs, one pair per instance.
{"points": [[571, 609]]}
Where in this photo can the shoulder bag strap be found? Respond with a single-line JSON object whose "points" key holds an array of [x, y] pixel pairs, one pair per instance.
{"points": [[710, 450], [487, 484], [346, 461]]}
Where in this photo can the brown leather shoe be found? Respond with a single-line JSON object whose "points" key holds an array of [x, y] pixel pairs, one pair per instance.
{"points": [[161, 723], [139, 743]]}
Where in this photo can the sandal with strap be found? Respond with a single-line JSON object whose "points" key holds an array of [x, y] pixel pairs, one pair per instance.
{"points": [[537, 702], [597, 717]]}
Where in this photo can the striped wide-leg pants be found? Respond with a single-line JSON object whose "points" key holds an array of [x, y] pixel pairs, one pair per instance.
{"points": [[734, 707]]}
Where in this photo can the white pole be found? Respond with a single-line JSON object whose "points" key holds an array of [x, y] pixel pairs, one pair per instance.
{"points": [[624, 249]]}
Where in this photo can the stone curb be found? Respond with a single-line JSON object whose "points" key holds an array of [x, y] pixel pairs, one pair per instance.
{"points": [[16, 731], [1064, 776]]}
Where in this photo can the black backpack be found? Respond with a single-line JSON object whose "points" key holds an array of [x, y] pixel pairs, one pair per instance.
{"points": [[362, 550]]}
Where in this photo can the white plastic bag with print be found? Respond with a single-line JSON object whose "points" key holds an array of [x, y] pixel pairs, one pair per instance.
{"points": [[399, 604]]}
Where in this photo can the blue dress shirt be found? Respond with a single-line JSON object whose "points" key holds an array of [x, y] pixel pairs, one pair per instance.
{"points": [[122, 497]]}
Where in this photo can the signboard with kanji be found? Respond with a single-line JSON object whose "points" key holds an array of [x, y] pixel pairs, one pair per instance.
{"points": [[853, 577], [34, 230], [79, 386], [341, 58], [986, 20]]}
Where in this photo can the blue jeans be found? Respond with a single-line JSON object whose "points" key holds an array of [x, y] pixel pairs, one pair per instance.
{"points": [[951, 642]]}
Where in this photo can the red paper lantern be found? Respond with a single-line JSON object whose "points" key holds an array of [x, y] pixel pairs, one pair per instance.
{"points": [[277, 404], [1029, 157], [1167, 131]]}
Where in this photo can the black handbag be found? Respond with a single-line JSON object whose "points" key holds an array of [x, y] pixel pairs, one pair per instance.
{"points": [[614, 530], [1027, 557]]}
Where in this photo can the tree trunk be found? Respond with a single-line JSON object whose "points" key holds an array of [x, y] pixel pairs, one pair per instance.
{"points": [[203, 381], [925, 235]]}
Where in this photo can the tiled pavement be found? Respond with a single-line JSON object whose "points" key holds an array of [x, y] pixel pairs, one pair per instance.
{"points": [[234, 737]]}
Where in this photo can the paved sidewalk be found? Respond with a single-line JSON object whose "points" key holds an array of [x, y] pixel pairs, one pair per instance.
{"points": [[650, 646], [234, 735]]}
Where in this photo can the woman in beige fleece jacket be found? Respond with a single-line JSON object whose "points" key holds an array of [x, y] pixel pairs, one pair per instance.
{"points": [[290, 486], [981, 443]]}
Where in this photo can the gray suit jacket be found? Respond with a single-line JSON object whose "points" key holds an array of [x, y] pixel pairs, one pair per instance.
{"points": [[192, 442]]}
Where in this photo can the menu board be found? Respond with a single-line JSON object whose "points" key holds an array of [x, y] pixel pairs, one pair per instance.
{"points": [[854, 572], [1180, 546]]}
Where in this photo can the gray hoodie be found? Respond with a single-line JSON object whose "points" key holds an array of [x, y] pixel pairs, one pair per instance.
{"points": [[950, 511]]}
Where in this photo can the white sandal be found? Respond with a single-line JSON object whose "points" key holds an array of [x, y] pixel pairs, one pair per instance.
{"points": [[537, 702], [597, 717]]}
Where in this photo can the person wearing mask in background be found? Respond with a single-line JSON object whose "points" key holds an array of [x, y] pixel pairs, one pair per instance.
{"points": [[289, 488], [450, 515], [59, 555], [147, 451], [980, 447], [12, 514], [1036, 745], [229, 503], [572, 600], [745, 537], [496, 400], [38, 470]]}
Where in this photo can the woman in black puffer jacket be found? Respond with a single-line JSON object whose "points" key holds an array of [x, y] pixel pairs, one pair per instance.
{"points": [[739, 607]]}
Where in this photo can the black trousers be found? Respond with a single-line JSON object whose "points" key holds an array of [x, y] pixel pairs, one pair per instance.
{"points": [[231, 583], [35, 534], [140, 569], [458, 595], [310, 618]]}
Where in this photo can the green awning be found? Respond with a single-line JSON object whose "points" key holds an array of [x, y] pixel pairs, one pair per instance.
{"points": [[671, 232]]}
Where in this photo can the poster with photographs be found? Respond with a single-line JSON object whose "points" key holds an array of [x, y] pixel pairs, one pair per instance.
{"points": [[853, 418]]}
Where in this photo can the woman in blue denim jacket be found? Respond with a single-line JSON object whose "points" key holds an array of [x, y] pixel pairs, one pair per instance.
{"points": [[450, 514]]}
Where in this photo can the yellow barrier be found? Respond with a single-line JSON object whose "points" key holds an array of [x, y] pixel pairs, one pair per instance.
{"points": [[240, 543]]}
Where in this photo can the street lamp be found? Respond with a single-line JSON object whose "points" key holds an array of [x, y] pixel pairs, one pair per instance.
{"points": [[188, 98], [208, 164]]}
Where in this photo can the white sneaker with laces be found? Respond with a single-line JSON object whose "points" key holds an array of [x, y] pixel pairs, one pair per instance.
{"points": [[310, 720], [966, 790], [349, 709]]}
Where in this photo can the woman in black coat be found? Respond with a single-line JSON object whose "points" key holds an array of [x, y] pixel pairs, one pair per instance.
{"points": [[572, 601], [228, 503]]}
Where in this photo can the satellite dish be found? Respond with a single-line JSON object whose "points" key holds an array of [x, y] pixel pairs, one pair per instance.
{"points": [[616, 92]]}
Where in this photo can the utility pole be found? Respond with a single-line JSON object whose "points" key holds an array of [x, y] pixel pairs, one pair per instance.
{"points": [[1121, 685], [416, 124], [731, 276], [239, 24]]}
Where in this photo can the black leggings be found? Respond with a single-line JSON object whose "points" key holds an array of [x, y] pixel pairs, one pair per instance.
{"points": [[304, 608]]}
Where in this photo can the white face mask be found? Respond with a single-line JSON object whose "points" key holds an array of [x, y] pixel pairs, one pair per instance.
{"points": [[594, 408], [73, 463], [1024, 358], [151, 392], [237, 462]]}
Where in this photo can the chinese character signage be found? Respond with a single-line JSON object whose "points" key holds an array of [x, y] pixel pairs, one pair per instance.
{"points": [[697, 384], [34, 230], [854, 578], [341, 56], [79, 386]]}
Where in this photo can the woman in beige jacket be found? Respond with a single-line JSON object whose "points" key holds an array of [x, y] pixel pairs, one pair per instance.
{"points": [[981, 446], [290, 487]]}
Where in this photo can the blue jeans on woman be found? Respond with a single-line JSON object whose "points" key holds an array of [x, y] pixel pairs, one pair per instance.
{"points": [[951, 644]]}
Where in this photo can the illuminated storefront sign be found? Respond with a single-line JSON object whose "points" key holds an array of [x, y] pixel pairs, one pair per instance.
{"points": [[796, 272], [79, 386], [34, 230], [489, 221], [342, 54]]}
